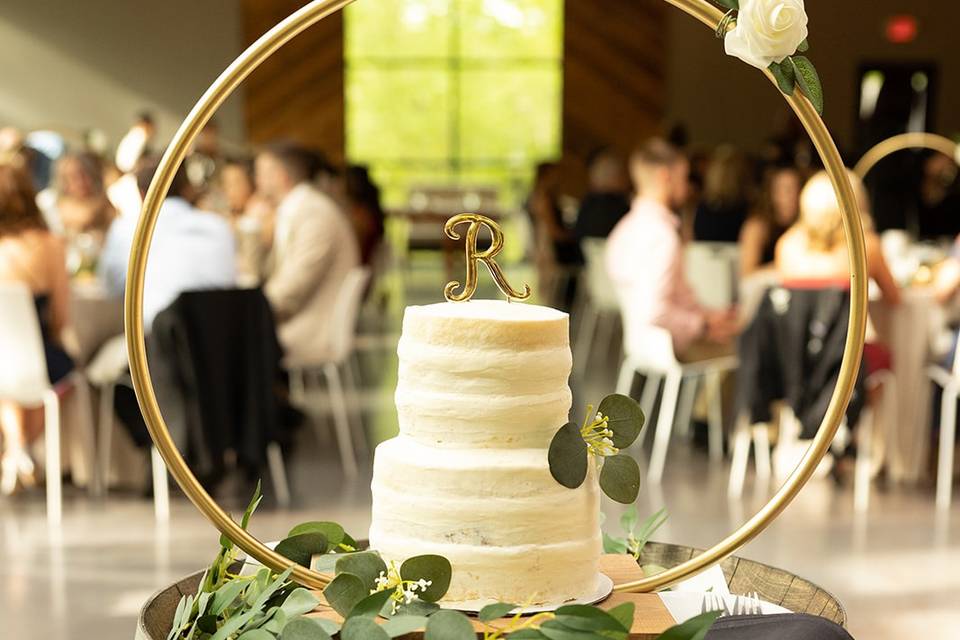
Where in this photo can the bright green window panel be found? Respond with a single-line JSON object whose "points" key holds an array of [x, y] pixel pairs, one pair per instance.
{"points": [[453, 92]]}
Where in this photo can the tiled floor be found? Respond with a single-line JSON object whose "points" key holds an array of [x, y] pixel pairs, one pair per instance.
{"points": [[897, 570]]}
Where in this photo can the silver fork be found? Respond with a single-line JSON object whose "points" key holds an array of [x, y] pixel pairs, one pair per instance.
{"points": [[748, 604]]}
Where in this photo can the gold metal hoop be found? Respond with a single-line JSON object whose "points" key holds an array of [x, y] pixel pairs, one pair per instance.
{"points": [[231, 78], [918, 140]]}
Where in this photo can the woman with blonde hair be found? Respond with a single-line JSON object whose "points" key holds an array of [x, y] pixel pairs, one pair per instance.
{"points": [[81, 203], [726, 197]]}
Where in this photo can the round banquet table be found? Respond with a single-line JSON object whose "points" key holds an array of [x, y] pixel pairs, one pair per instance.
{"points": [[774, 585]]}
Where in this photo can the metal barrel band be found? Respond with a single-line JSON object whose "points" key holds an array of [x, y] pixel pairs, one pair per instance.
{"points": [[224, 86]]}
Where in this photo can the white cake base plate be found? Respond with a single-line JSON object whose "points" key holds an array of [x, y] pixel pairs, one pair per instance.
{"points": [[604, 588]]}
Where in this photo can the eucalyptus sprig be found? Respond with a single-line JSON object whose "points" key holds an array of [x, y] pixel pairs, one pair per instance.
{"points": [[615, 425]]}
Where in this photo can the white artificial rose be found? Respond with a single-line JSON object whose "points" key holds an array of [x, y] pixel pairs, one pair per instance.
{"points": [[767, 31]]}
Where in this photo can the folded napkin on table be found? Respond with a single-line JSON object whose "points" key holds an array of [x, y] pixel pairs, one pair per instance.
{"points": [[785, 626]]}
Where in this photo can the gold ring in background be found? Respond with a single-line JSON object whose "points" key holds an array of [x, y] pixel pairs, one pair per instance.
{"points": [[904, 141], [231, 78]]}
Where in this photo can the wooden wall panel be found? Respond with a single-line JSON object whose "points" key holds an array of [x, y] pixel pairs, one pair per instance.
{"points": [[298, 93], [614, 91]]}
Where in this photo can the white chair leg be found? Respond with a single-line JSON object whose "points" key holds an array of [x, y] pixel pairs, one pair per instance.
{"points": [[105, 436], [161, 490], [715, 416], [688, 393], [625, 378], [51, 438], [861, 474], [661, 440], [278, 474], [585, 339], [648, 396], [741, 455], [761, 453], [948, 428], [341, 420], [86, 433], [351, 380]]}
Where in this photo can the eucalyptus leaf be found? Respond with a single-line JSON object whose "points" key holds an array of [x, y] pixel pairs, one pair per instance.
{"points": [[416, 608], [329, 626], [556, 630], [233, 624], [629, 518], [277, 622], [267, 592], [256, 634], [298, 602], [449, 625], [582, 617], [305, 629], [649, 527], [225, 596], [362, 629], [333, 532], [803, 47], [326, 562], [226, 542], [526, 634], [729, 4], [693, 629], [434, 568], [207, 623], [785, 75], [567, 456], [495, 611], [809, 81], [403, 624], [623, 613], [344, 592], [370, 606], [367, 565], [614, 545], [178, 619], [624, 417], [620, 478], [302, 547]]}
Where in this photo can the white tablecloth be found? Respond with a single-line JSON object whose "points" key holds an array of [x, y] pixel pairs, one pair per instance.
{"points": [[911, 332]]}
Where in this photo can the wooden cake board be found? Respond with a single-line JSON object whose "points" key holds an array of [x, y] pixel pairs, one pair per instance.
{"points": [[650, 617]]}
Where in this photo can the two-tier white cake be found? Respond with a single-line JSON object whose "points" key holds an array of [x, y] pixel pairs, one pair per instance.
{"points": [[482, 390]]}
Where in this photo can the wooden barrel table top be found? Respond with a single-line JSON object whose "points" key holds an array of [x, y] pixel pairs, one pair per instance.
{"points": [[743, 576]]}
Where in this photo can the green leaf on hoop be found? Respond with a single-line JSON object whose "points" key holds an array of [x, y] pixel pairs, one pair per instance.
{"points": [[344, 593], [786, 76], [729, 4], [370, 606], [624, 417], [303, 628], [301, 548], [620, 478], [495, 611], [568, 456], [333, 531], [226, 542], [803, 47], [436, 569], [614, 545], [809, 81]]}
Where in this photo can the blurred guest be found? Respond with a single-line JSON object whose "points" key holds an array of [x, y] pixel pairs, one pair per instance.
{"points": [[726, 201], [555, 239], [81, 204], [608, 195], [313, 250], [938, 204], [813, 253], [135, 144], [645, 260], [815, 249], [363, 198], [31, 255], [779, 207], [191, 249], [251, 215], [204, 160]]}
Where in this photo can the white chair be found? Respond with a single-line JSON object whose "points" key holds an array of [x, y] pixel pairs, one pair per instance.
{"points": [[24, 379], [650, 352], [336, 370], [600, 310], [712, 271], [949, 381]]}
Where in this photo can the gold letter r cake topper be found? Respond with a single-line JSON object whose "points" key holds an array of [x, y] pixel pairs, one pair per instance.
{"points": [[473, 256]]}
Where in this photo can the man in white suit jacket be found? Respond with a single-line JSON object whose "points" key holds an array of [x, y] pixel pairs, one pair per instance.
{"points": [[314, 248]]}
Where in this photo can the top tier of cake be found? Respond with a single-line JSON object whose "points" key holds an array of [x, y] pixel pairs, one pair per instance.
{"points": [[483, 374]]}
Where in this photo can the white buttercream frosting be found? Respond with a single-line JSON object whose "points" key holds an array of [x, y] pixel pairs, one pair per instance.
{"points": [[482, 389]]}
